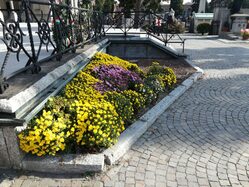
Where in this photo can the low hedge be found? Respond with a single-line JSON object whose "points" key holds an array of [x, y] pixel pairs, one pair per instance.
{"points": [[203, 28]]}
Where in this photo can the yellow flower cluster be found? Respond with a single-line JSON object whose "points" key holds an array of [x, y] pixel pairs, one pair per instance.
{"points": [[47, 136], [166, 74], [98, 123], [169, 78], [122, 105], [137, 99], [148, 94], [81, 87]]}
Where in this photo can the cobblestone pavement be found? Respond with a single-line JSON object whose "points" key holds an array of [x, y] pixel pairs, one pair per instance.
{"points": [[201, 140]]}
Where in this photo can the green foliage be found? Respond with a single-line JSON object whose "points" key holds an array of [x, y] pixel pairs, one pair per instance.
{"points": [[195, 5], [245, 4], [122, 105], [137, 99], [127, 6], [155, 69], [203, 28], [166, 74], [176, 27], [104, 5], [108, 6], [153, 5], [58, 105], [177, 6], [99, 4], [235, 6], [148, 94], [155, 83]]}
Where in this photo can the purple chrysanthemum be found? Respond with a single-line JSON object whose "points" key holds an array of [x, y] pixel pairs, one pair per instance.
{"points": [[115, 78]]}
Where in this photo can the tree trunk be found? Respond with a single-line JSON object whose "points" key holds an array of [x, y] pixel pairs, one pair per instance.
{"points": [[137, 7]]}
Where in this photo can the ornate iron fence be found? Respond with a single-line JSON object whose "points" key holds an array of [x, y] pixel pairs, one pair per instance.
{"points": [[63, 28], [129, 23], [39, 37]]}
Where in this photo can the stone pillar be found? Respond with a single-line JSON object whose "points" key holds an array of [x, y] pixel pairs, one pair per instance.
{"points": [[10, 154], [221, 15], [202, 6], [11, 5]]}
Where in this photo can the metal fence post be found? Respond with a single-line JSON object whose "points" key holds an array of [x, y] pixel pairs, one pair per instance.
{"points": [[33, 60]]}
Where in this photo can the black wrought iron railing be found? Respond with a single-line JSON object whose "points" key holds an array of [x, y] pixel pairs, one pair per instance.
{"points": [[41, 37], [36, 36], [149, 23]]}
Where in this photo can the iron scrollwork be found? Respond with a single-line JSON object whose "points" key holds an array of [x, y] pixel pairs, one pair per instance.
{"points": [[13, 40], [63, 29]]}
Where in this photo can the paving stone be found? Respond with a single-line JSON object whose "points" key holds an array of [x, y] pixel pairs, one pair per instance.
{"points": [[139, 176]]}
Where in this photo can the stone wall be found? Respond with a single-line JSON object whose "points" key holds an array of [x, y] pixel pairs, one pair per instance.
{"points": [[10, 154], [135, 50]]}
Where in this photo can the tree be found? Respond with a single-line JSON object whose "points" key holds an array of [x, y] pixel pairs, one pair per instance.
{"points": [[127, 4], [153, 5], [108, 6], [245, 4], [177, 6], [104, 5], [235, 6], [195, 5]]}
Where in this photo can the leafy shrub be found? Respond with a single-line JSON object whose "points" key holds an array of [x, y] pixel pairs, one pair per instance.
{"points": [[148, 94], [47, 134], [58, 105], [155, 69], [122, 105], [176, 27], [155, 83], [115, 78], [82, 88], [203, 28], [137, 99], [169, 78], [167, 74], [97, 123]]}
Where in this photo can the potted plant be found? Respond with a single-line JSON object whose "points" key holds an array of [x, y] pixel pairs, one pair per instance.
{"points": [[245, 34]]}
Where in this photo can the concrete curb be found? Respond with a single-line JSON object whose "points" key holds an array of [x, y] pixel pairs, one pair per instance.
{"points": [[226, 41], [137, 129], [70, 163]]}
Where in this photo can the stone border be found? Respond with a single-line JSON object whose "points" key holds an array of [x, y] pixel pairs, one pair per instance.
{"points": [[137, 129], [238, 41], [65, 164]]}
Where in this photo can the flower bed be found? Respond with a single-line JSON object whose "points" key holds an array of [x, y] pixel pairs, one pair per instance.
{"points": [[95, 107]]}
